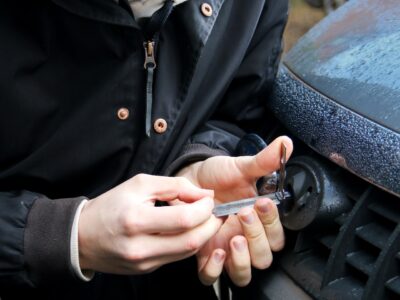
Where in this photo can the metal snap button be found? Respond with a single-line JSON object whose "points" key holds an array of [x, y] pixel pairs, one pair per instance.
{"points": [[160, 125], [123, 113], [206, 9]]}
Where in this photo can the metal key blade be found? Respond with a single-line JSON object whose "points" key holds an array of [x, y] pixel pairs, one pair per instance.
{"points": [[282, 170], [234, 206]]}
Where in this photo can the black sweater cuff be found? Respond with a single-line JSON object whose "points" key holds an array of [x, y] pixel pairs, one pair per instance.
{"points": [[47, 239]]}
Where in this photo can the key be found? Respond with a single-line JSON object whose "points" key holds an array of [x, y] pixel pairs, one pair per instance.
{"points": [[234, 206], [282, 170]]}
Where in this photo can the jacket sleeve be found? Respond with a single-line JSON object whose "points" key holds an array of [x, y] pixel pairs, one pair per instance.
{"points": [[244, 104], [35, 237]]}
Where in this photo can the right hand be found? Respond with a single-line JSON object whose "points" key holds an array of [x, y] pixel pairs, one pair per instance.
{"points": [[122, 232]]}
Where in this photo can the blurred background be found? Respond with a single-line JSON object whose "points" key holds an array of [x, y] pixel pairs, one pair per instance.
{"points": [[303, 14]]}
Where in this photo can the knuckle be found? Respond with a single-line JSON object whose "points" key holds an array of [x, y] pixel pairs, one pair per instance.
{"points": [[130, 223], [242, 281], [263, 264], [277, 245], [134, 255], [209, 275], [269, 261], [185, 220], [207, 279], [126, 223], [256, 235], [141, 177], [140, 268], [183, 181], [271, 221], [192, 244], [242, 267], [144, 268]]}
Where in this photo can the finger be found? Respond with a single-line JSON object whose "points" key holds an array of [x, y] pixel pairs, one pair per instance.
{"points": [[239, 263], [176, 218], [253, 229], [269, 216], [170, 188], [213, 268], [230, 229], [266, 161], [151, 264], [183, 243], [215, 264]]}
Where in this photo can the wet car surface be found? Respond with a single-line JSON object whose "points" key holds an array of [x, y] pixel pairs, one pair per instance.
{"points": [[337, 95]]}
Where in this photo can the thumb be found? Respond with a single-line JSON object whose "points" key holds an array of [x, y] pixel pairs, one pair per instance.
{"points": [[266, 161]]}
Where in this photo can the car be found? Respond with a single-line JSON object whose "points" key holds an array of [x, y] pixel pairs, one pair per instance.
{"points": [[337, 95]]}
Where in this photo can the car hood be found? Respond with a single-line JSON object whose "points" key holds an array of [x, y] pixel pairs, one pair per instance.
{"points": [[338, 90], [353, 57]]}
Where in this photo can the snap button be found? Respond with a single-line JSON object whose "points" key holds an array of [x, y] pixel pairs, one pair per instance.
{"points": [[206, 9], [123, 113], [160, 125]]}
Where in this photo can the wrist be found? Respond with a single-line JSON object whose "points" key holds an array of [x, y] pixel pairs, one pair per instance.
{"points": [[78, 264], [82, 237], [190, 172]]}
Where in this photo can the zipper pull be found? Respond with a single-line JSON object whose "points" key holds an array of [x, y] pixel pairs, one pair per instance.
{"points": [[149, 61], [149, 65]]}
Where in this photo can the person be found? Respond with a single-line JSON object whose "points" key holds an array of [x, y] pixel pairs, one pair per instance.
{"points": [[109, 170]]}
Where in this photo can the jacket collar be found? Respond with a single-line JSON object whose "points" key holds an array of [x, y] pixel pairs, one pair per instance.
{"points": [[198, 27], [107, 11]]}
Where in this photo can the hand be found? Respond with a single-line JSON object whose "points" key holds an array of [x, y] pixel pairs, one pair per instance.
{"points": [[122, 232], [247, 239]]}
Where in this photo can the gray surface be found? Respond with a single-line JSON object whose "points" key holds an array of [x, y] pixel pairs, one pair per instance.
{"points": [[350, 140], [279, 286]]}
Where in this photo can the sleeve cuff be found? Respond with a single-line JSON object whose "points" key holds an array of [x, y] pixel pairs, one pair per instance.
{"points": [[192, 153], [84, 275], [47, 240]]}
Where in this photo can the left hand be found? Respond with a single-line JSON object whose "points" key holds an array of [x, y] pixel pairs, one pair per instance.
{"points": [[249, 238]]}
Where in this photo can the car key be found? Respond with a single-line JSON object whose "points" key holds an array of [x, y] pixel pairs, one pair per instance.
{"points": [[234, 206]]}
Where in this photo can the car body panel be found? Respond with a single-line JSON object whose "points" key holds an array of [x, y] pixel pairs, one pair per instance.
{"points": [[352, 141], [353, 57], [338, 90], [337, 95]]}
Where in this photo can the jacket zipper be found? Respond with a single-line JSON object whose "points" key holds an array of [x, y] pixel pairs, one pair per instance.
{"points": [[149, 61], [152, 32], [149, 65]]}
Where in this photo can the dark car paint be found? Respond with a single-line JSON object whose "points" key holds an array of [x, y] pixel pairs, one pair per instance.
{"points": [[338, 90], [355, 253], [353, 57], [350, 140]]}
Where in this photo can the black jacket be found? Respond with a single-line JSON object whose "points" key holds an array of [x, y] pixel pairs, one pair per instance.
{"points": [[68, 66]]}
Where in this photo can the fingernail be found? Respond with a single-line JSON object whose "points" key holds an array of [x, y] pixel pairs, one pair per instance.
{"points": [[239, 245], [247, 216], [219, 257], [263, 205]]}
